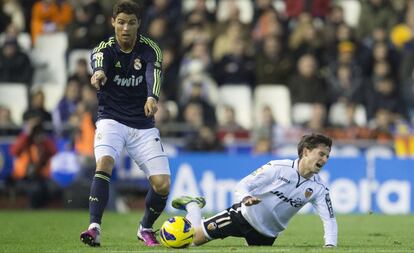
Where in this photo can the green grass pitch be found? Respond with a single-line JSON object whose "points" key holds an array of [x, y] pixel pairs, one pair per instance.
{"points": [[58, 231]]}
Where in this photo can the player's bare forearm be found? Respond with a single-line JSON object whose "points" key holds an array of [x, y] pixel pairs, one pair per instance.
{"points": [[98, 79], [250, 201]]}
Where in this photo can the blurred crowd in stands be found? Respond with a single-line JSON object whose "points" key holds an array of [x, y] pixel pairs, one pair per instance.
{"points": [[347, 67]]}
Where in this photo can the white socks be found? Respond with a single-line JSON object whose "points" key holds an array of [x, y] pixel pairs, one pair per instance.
{"points": [[193, 214], [94, 225]]}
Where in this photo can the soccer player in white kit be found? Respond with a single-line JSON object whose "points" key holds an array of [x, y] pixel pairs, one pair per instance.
{"points": [[269, 198]]}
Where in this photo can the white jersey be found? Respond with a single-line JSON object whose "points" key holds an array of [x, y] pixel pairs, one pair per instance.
{"points": [[283, 192]]}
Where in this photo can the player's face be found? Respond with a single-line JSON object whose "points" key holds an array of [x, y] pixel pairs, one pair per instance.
{"points": [[126, 28], [316, 158]]}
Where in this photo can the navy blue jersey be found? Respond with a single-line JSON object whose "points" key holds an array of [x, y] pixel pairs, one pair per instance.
{"points": [[132, 78]]}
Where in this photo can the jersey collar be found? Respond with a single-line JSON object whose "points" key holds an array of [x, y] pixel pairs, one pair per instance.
{"points": [[118, 47]]}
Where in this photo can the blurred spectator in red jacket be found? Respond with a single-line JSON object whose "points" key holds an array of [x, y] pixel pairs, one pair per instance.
{"points": [[33, 150]]}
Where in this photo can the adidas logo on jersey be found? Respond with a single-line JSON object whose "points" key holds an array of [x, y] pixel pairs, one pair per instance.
{"points": [[284, 179], [118, 65]]}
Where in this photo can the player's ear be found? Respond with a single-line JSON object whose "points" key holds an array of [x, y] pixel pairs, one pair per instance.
{"points": [[113, 21]]}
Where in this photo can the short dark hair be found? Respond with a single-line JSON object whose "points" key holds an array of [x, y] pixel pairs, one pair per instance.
{"points": [[311, 141], [127, 7]]}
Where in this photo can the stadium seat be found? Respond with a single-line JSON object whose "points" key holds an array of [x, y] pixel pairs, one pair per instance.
{"points": [[338, 110], [53, 94], [14, 96], [78, 54], [48, 56], [360, 115], [189, 5], [172, 108], [352, 11], [301, 113], [278, 98], [240, 98], [245, 8]]}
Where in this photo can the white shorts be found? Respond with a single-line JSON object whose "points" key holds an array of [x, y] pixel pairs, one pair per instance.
{"points": [[143, 146]]}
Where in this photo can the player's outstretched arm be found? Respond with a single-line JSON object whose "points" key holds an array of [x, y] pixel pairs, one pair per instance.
{"points": [[98, 78], [324, 208]]}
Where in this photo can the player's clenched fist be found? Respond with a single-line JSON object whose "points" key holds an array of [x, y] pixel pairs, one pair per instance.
{"points": [[98, 78], [150, 107]]}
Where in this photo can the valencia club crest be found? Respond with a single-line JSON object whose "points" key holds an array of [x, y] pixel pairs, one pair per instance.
{"points": [[308, 192]]}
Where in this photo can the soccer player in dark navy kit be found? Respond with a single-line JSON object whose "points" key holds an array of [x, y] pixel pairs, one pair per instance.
{"points": [[127, 75]]}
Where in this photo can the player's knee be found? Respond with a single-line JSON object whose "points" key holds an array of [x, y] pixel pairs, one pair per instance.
{"points": [[161, 184], [105, 164], [162, 189]]}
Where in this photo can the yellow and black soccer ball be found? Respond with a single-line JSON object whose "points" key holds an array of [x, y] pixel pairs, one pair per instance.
{"points": [[176, 232]]}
